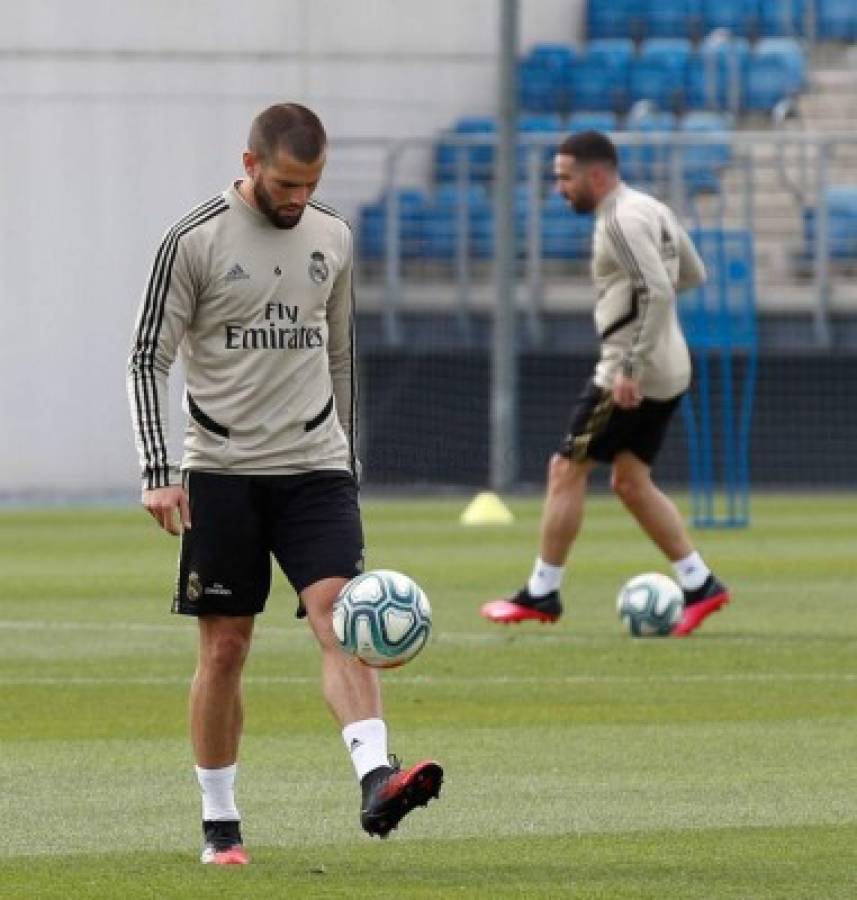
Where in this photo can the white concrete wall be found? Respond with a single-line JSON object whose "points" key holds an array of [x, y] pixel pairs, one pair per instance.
{"points": [[118, 116]]}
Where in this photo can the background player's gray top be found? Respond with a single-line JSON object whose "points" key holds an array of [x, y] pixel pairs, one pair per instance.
{"points": [[264, 320], [641, 258]]}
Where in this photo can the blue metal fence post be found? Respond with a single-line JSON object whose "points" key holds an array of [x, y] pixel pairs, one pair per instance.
{"points": [[719, 319]]}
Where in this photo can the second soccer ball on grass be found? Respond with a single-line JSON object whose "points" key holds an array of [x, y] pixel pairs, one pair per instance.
{"points": [[650, 605]]}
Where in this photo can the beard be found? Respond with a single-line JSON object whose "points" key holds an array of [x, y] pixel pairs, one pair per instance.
{"points": [[276, 217], [584, 203]]}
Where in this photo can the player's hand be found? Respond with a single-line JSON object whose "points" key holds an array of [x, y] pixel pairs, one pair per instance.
{"points": [[169, 507], [626, 392]]}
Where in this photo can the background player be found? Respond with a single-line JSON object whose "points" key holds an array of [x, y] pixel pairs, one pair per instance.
{"points": [[641, 258]]}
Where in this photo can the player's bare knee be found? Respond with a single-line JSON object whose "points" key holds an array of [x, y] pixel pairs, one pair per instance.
{"points": [[564, 475], [320, 622], [628, 488], [323, 632], [563, 472], [225, 653]]}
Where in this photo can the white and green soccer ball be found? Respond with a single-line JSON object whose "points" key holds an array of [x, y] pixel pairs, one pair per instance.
{"points": [[383, 618], [650, 605]]}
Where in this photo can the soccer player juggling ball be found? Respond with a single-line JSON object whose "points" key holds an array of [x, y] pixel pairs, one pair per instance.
{"points": [[255, 287]]}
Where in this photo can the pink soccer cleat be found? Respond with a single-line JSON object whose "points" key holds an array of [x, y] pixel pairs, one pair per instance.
{"points": [[700, 604], [223, 845], [522, 607], [390, 793]]}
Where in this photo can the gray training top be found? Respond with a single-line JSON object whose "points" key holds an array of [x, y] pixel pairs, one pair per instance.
{"points": [[263, 317], [641, 258]]}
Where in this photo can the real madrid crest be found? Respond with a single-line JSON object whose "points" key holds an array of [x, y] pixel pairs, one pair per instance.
{"points": [[194, 587], [318, 269]]}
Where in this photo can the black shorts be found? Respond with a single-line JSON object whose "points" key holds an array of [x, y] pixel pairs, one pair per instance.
{"points": [[310, 523], [599, 429]]}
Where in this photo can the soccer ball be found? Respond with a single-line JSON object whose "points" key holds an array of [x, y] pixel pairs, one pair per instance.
{"points": [[383, 618], [650, 604]]}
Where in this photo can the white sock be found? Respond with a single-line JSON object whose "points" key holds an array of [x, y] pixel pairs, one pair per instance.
{"points": [[367, 743], [691, 571], [545, 578], [218, 794]]}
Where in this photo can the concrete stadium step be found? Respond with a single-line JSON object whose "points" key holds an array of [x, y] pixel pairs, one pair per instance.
{"points": [[833, 78]]}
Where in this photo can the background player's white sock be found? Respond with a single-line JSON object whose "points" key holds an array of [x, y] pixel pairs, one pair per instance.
{"points": [[691, 571], [366, 741], [545, 578], [218, 794]]}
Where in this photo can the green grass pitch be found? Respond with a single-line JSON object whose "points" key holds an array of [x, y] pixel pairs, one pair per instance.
{"points": [[579, 762]]}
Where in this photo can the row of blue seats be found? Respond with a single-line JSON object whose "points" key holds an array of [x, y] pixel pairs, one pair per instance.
{"points": [[841, 224], [701, 163], [638, 19], [430, 227], [613, 73]]}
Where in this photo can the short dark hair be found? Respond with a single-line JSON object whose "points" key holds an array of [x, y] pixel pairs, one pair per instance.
{"points": [[290, 127], [590, 147]]}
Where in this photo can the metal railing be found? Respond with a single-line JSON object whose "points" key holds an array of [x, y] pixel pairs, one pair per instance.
{"points": [[773, 184]]}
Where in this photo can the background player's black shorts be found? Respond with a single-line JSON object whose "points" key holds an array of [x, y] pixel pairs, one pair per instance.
{"points": [[599, 429], [310, 523]]}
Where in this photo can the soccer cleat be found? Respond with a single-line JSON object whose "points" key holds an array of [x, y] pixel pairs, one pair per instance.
{"points": [[523, 606], [389, 793], [223, 844], [700, 604]]}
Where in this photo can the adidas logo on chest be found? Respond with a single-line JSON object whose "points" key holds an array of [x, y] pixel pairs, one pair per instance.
{"points": [[236, 273]]}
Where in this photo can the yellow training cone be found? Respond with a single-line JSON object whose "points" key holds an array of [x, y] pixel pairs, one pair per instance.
{"points": [[486, 509]]}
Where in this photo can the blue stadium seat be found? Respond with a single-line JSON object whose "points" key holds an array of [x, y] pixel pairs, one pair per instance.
{"points": [[764, 83], [616, 53], [791, 53], [593, 85], [701, 81], [643, 163], [441, 223], [523, 209], [676, 18], [546, 122], [713, 44], [599, 80], [543, 77], [553, 56], [741, 17], [596, 120], [536, 87], [371, 231], [836, 20], [673, 52], [710, 73], [537, 124], [522, 202], [564, 233], [617, 18], [774, 70], [781, 18], [841, 224], [658, 73], [372, 234], [478, 159], [703, 163]]}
